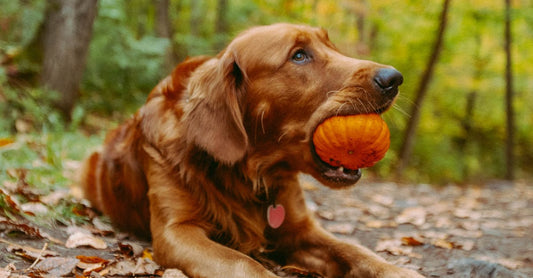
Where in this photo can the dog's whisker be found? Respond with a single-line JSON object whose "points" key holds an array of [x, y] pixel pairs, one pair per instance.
{"points": [[400, 109], [353, 104], [362, 106], [339, 110]]}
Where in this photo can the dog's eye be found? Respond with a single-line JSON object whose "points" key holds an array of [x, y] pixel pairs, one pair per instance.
{"points": [[300, 57]]}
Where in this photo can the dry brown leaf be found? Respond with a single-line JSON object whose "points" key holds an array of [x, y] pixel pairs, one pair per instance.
{"points": [[174, 273], [384, 200], [91, 267], [412, 215], [377, 224], [341, 228], [442, 243], [82, 239], [30, 252], [466, 245], [130, 249], [91, 259], [393, 246], [57, 266], [411, 241], [140, 267], [327, 215], [11, 226]]}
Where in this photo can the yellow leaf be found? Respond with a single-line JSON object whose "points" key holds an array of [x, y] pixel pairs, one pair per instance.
{"points": [[6, 141], [147, 254]]}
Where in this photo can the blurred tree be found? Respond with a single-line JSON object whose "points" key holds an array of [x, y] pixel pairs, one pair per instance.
{"points": [[421, 92], [163, 29], [509, 145], [221, 24], [66, 36], [197, 16]]}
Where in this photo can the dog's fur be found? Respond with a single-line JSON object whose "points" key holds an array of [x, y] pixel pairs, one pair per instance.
{"points": [[221, 139]]}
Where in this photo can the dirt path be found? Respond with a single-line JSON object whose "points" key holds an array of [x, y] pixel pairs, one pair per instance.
{"points": [[441, 232]]}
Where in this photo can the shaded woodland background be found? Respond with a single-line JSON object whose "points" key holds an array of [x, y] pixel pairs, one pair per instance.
{"points": [[72, 69]]}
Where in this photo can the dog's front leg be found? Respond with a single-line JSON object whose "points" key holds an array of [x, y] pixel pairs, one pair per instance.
{"points": [[189, 249], [179, 241]]}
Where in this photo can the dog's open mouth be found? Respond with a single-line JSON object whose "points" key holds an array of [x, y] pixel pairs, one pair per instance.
{"points": [[339, 176]]}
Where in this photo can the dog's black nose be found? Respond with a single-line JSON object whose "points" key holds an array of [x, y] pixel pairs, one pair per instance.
{"points": [[388, 80]]}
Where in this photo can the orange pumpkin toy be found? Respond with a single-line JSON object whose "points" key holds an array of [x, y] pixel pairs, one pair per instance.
{"points": [[353, 142]]}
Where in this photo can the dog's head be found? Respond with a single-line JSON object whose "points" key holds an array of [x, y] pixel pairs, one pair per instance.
{"points": [[260, 99]]}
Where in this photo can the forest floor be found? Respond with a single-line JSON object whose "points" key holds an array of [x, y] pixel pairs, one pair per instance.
{"points": [[448, 231]]}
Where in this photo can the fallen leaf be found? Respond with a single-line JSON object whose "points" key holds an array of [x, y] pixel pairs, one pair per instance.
{"points": [[55, 197], [147, 254], [57, 266], [91, 259], [412, 215], [7, 270], [11, 226], [12, 206], [82, 239], [377, 211], [327, 215], [442, 243], [27, 251], [34, 208], [140, 267], [384, 200], [90, 263], [411, 241], [377, 224], [6, 141], [130, 249], [88, 268], [341, 228], [102, 227], [393, 246], [466, 245], [174, 273]]}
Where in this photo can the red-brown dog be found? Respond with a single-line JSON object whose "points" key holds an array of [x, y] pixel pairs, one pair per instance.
{"points": [[208, 166]]}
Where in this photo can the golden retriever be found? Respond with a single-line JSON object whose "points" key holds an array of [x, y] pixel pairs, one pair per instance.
{"points": [[208, 167]]}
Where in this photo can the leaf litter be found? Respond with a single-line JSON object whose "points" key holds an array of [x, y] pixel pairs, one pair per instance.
{"points": [[447, 231]]}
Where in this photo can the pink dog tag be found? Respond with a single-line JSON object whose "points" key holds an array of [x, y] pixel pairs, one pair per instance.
{"points": [[275, 215]]}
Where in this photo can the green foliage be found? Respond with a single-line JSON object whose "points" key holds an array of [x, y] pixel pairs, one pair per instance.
{"points": [[122, 67], [45, 163], [126, 59]]}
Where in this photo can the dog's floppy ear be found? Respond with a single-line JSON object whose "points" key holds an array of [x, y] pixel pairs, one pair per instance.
{"points": [[213, 117]]}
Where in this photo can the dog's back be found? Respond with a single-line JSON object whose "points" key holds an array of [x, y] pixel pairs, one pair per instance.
{"points": [[113, 179]]}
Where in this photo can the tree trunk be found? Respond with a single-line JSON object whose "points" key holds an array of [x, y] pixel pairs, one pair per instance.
{"points": [[163, 29], [221, 24], [361, 10], [196, 17], [421, 92], [509, 144], [66, 37]]}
